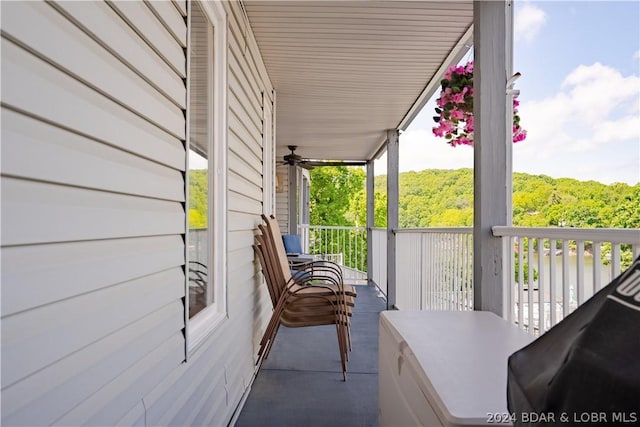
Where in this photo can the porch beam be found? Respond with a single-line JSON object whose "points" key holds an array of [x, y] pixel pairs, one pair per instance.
{"points": [[371, 219], [393, 157], [293, 200], [492, 155]]}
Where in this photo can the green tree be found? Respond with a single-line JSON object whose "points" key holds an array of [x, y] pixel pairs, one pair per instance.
{"points": [[198, 206], [332, 189]]}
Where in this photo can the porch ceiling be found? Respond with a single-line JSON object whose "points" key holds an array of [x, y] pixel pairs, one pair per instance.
{"points": [[345, 71]]}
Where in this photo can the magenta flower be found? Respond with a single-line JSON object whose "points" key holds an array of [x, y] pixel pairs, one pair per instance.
{"points": [[455, 110], [457, 114], [458, 98]]}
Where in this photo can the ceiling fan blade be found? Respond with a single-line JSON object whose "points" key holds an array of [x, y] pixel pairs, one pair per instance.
{"points": [[335, 162]]}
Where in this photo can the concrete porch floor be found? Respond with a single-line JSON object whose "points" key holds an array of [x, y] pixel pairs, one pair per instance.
{"points": [[300, 384]]}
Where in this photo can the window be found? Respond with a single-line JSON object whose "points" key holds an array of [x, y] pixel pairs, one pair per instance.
{"points": [[206, 170]]}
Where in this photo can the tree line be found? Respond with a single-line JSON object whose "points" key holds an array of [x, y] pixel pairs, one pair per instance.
{"points": [[444, 198]]}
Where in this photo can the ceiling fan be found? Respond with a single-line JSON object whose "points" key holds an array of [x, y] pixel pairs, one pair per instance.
{"points": [[293, 159]]}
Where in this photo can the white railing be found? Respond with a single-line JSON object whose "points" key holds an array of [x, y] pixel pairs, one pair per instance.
{"points": [[343, 245], [379, 257], [551, 271], [434, 268]]}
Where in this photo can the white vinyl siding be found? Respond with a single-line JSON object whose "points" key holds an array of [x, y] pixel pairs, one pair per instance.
{"points": [[282, 198], [92, 209], [93, 220], [207, 389]]}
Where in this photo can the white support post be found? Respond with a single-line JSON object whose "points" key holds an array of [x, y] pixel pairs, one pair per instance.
{"points": [[492, 160], [392, 212], [371, 220], [293, 200]]}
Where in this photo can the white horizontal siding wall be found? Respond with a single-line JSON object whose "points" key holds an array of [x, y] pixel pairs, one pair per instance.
{"points": [[92, 208], [208, 388], [93, 157], [282, 198]]}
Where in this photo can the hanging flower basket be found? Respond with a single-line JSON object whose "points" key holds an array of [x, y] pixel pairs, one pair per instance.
{"points": [[455, 108]]}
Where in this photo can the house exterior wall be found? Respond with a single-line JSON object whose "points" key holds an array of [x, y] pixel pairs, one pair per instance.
{"points": [[282, 197], [93, 220]]}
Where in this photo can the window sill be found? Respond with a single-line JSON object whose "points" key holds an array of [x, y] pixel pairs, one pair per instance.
{"points": [[201, 326]]}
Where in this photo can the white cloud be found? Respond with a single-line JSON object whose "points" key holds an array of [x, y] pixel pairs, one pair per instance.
{"points": [[636, 55], [528, 21], [581, 113], [589, 126]]}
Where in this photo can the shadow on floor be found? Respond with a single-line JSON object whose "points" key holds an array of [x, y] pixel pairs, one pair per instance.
{"points": [[300, 384]]}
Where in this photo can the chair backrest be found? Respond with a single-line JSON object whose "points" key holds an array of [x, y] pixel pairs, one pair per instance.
{"points": [[274, 237], [292, 243], [267, 269]]}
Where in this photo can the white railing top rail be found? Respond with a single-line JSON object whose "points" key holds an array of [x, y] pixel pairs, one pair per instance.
{"points": [[613, 235], [460, 230], [333, 227]]}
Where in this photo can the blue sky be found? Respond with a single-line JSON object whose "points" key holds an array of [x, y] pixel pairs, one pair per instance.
{"points": [[580, 95]]}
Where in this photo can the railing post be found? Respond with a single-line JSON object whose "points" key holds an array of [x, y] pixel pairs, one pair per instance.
{"points": [[491, 151], [392, 212], [371, 219]]}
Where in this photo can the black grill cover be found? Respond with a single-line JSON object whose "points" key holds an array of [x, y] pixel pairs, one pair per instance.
{"points": [[586, 369]]}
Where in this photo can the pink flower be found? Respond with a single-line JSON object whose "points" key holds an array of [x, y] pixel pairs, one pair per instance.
{"points": [[521, 135], [458, 108], [468, 68], [457, 114], [458, 98], [446, 126], [465, 141], [470, 123]]}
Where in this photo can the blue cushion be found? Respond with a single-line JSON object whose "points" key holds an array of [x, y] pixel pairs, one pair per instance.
{"points": [[300, 275], [292, 243]]}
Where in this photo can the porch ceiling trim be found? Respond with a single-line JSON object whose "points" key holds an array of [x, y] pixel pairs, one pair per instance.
{"points": [[346, 71]]}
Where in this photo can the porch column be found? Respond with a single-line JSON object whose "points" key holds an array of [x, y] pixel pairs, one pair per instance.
{"points": [[293, 200], [392, 212], [371, 219], [492, 150]]}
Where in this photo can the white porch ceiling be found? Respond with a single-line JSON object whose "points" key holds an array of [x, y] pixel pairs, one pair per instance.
{"points": [[345, 71]]}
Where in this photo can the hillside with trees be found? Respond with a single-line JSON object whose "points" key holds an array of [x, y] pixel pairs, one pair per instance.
{"points": [[439, 198]]}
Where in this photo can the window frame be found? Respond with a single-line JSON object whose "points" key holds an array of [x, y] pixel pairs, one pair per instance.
{"points": [[204, 323], [268, 155]]}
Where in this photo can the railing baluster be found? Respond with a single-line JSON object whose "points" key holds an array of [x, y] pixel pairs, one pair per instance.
{"points": [[580, 275], [441, 283], [552, 281], [507, 254], [520, 282], [597, 267], [447, 272], [432, 281], [458, 271], [541, 310], [615, 259], [566, 280], [530, 278]]}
